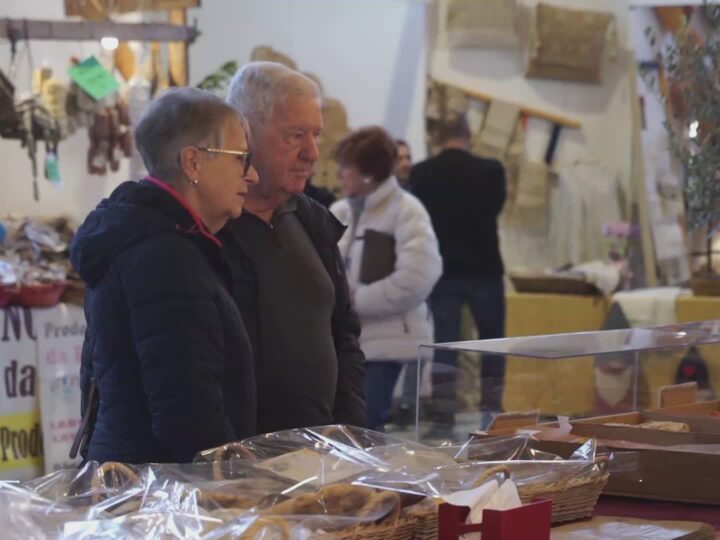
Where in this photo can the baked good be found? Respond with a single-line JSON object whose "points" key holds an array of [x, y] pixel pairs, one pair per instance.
{"points": [[677, 427], [342, 500]]}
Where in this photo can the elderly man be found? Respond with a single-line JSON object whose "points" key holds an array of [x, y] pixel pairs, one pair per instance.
{"points": [[289, 278]]}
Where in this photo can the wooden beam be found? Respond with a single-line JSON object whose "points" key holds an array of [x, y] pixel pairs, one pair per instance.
{"points": [[178, 52], [639, 183], [19, 29], [563, 121], [98, 10]]}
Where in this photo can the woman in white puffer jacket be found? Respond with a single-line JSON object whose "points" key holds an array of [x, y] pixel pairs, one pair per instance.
{"points": [[393, 312]]}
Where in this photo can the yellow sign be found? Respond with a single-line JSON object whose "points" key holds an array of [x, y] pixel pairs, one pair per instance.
{"points": [[20, 441]]}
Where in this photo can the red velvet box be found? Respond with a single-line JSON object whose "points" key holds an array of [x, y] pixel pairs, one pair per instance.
{"points": [[528, 522]]}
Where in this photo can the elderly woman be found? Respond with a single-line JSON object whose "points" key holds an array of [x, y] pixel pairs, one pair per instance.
{"points": [[383, 219], [167, 368]]}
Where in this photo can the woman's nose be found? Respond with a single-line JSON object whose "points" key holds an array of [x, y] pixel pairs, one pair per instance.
{"points": [[252, 176]]}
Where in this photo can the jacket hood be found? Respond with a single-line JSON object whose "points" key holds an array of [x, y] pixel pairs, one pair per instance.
{"points": [[134, 212]]}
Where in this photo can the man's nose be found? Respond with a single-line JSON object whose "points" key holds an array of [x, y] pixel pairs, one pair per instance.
{"points": [[311, 152]]}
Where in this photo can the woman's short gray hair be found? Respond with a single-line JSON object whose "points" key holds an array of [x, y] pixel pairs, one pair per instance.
{"points": [[257, 86], [180, 117]]}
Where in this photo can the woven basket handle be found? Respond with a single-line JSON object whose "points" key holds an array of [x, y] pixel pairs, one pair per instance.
{"points": [[122, 470], [487, 473], [220, 455], [331, 430], [602, 461]]}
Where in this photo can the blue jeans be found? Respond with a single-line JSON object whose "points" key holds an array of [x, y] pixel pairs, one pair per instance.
{"points": [[486, 298], [380, 379]]}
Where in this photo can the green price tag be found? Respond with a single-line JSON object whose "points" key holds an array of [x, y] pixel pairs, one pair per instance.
{"points": [[92, 77], [52, 170]]}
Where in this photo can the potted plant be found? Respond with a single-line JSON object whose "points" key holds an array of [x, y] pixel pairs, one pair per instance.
{"points": [[692, 65]]}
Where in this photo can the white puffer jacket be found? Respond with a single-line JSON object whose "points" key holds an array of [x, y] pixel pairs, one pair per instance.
{"points": [[393, 311]]}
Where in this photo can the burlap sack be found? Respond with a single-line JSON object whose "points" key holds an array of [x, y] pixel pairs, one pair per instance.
{"points": [[325, 175], [442, 99], [482, 23], [499, 125], [263, 53], [513, 159], [532, 186], [568, 44], [335, 121]]}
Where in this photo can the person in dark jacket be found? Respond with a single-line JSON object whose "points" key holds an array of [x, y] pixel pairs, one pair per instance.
{"points": [[403, 163], [320, 194], [464, 196], [289, 277], [167, 368]]}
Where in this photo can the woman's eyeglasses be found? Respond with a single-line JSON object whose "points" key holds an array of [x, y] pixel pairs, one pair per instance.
{"points": [[245, 157]]}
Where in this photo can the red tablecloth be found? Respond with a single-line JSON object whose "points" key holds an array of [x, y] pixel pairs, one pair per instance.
{"points": [[646, 509]]}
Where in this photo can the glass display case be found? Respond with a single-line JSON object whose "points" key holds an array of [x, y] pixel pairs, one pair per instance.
{"points": [[461, 386]]}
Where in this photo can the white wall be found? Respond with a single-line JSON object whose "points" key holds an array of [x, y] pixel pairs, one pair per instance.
{"points": [[370, 54]]}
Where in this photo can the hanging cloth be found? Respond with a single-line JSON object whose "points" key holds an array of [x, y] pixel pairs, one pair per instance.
{"points": [[482, 23], [501, 120]]}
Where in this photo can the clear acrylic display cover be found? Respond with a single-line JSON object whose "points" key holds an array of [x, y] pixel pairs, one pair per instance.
{"points": [[333, 482], [462, 385]]}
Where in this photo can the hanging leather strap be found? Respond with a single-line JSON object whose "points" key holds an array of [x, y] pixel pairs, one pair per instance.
{"points": [[87, 424]]}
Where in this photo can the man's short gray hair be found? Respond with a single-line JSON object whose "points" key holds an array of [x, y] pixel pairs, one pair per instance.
{"points": [[257, 86], [180, 117]]}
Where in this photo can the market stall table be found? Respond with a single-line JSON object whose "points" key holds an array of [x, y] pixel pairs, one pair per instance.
{"points": [[535, 314], [658, 510], [690, 308]]}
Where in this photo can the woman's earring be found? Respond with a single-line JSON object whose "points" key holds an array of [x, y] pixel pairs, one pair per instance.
{"points": [[195, 182], [367, 180]]}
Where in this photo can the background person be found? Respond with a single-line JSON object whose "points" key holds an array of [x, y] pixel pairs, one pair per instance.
{"points": [[393, 314]]}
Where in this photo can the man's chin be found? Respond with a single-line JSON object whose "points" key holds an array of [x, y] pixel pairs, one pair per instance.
{"points": [[297, 185]]}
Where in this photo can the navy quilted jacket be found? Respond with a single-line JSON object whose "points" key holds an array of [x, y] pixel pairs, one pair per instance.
{"points": [[165, 342]]}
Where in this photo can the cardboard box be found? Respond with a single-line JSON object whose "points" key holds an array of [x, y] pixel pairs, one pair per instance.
{"points": [[699, 408], [677, 394], [597, 427], [669, 475], [695, 414], [665, 475]]}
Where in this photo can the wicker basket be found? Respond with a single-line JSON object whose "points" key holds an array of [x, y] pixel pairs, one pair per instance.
{"points": [[572, 498], [426, 515], [403, 529], [427, 527]]}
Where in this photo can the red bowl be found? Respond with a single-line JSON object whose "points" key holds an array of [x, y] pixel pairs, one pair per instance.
{"points": [[8, 295], [40, 294]]}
